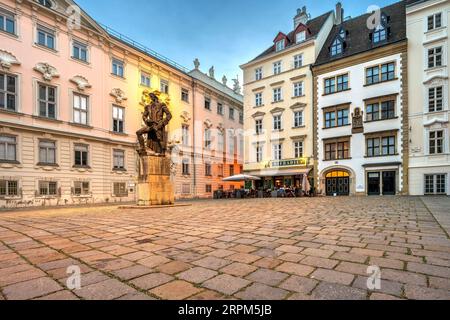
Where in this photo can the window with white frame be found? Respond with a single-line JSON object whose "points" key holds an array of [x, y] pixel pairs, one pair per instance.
{"points": [[46, 3], [435, 184], [277, 67], [81, 155], [298, 118], [336, 47], [81, 188], [258, 74], [184, 95], [79, 51], [380, 34], [277, 151], [118, 68], [120, 189], [435, 99], [241, 144], [185, 167], [80, 109], [9, 188], [47, 152], [259, 153], [47, 101], [46, 37], [118, 119], [435, 21], [146, 79], [298, 89], [185, 134], [300, 37], [220, 109], [241, 117], [48, 188], [298, 149], [258, 126], [277, 95], [231, 115], [208, 171], [258, 99], [436, 142], [208, 139], [8, 148], [118, 159], [435, 57], [277, 122], [280, 45], [7, 22], [220, 142], [164, 84], [298, 61], [231, 144], [8, 92], [207, 103]]}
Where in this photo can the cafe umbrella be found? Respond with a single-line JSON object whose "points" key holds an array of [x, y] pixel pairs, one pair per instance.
{"points": [[240, 178]]}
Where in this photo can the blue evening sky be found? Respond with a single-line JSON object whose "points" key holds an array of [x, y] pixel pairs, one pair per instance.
{"points": [[223, 33]]}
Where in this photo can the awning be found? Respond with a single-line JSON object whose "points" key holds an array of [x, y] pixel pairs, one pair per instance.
{"points": [[281, 173]]}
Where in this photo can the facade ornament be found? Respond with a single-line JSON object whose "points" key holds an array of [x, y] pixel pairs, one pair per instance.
{"points": [[196, 64], [236, 85], [186, 116], [7, 60], [48, 72], [81, 82], [221, 128], [224, 80], [119, 95], [208, 124], [211, 72], [357, 122]]}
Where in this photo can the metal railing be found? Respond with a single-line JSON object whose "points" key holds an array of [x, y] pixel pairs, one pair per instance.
{"points": [[142, 48]]}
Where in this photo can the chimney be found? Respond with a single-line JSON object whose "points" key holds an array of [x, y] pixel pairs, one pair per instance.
{"points": [[339, 14], [301, 17]]}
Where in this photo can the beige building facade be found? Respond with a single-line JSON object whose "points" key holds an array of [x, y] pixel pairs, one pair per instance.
{"points": [[428, 51], [71, 97], [278, 104]]}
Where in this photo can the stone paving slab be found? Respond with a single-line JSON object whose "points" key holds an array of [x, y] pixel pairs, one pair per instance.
{"points": [[297, 249]]}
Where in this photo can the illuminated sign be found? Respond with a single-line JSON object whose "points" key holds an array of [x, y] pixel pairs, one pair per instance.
{"points": [[290, 163]]}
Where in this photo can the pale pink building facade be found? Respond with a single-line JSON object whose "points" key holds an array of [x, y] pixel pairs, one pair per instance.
{"points": [[70, 104]]}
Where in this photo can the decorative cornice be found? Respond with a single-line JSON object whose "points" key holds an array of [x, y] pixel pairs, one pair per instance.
{"points": [[436, 79], [277, 110], [48, 71], [81, 82], [208, 124], [258, 114], [298, 105], [119, 95], [7, 60]]}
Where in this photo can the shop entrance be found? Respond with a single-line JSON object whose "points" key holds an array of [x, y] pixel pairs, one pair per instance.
{"points": [[337, 183], [381, 183]]}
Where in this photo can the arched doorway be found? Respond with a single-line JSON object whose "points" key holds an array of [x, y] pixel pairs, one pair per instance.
{"points": [[337, 183]]}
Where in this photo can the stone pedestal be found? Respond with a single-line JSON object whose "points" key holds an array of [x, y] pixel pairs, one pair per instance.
{"points": [[155, 187]]}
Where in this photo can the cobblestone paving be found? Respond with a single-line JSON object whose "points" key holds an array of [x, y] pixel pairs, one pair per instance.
{"points": [[293, 249]]}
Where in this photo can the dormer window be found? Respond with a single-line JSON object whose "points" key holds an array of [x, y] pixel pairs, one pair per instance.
{"points": [[46, 3], [300, 37], [342, 34], [336, 47], [280, 45], [379, 34]]}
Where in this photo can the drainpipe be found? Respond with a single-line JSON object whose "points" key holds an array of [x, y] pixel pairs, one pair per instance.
{"points": [[194, 139]]}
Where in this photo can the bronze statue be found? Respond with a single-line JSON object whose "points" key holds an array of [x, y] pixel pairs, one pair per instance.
{"points": [[156, 117]]}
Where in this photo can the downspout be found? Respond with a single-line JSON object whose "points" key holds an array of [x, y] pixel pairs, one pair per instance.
{"points": [[194, 140]]}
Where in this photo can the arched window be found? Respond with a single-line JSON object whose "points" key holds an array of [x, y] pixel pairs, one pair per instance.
{"points": [[379, 34], [336, 47], [337, 174]]}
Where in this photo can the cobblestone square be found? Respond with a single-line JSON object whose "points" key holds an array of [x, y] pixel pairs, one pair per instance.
{"points": [[304, 248]]}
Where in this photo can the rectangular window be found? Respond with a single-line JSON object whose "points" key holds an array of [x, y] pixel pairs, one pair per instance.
{"points": [[336, 84], [330, 85], [186, 188], [120, 189], [337, 150], [330, 119], [79, 51], [435, 57], [277, 123], [300, 37], [48, 188], [381, 109], [435, 99], [298, 61], [118, 68], [185, 168], [220, 108], [46, 37], [7, 22], [146, 79], [118, 159], [258, 74], [185, 95], [220, 170], [277, 151], [164, 86], [373, 147], [258, 126], [207, 139], [258, 99], [220, 142], [9, 188], [298, 119], [388, 146], [81, 188], [231, 170], [298, 89], [185, 133], [387, 110], [280, 45], [259, 153], [47, 101], [80, 109], [337, 117], [434, 21], [47, 152], [373, 112], [118, 119], [208, 188], [231, 146], [241, 117], [298, 149], [436, 184], [8, 92], [277, 96], [207, 103], [208, 171], [277, 67], [8, 148], [436, 142], [381, 73], [81, 155], [231, 113]]}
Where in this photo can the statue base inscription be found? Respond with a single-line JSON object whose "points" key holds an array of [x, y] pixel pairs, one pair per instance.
{"points": [[154, 185]]}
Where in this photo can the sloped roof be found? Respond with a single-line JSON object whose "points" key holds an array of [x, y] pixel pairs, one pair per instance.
{"points": [[314, 26], [357, 39]]}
